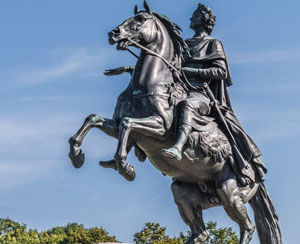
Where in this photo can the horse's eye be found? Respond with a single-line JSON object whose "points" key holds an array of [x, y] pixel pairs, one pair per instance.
{"points": [[139, 18]]}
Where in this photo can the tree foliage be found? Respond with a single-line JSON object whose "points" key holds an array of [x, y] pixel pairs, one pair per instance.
{"points": [[12, 232], [221, 235], [153, 233]]}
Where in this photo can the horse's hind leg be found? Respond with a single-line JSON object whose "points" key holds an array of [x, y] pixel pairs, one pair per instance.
{"points": [[234, 206], [190, 202], [109, 127]]}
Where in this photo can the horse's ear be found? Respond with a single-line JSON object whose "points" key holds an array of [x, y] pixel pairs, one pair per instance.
{"points": [[136, 9], [147, 7]]}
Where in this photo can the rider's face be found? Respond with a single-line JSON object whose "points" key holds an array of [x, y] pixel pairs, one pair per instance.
{"points": [[196, 20]]}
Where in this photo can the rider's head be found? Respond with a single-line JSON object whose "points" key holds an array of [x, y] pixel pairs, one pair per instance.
{"points": [[203, 17]]}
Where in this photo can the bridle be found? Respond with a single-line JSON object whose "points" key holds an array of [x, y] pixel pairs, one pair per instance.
{"points": [[170, 66], [181, 74]]}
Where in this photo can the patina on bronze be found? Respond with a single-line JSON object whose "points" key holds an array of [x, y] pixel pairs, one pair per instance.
{"points": [[176, 112]]}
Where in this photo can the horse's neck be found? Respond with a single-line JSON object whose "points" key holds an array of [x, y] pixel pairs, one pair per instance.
{"points": [[151, 71]]}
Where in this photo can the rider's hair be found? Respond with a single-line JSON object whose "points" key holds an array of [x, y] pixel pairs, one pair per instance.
{"points": [[208, 17]]}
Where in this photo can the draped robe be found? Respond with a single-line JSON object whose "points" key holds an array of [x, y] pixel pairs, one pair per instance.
{"points": [[208, 56]]}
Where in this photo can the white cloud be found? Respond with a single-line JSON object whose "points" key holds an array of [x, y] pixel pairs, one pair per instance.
{"points": [[48, 98], [265, 56], [48, 135], [274, 86], [14, 174], [67, 62], [33, 145], [32, 148], [271, 125], [24, 135], [275, 134]]}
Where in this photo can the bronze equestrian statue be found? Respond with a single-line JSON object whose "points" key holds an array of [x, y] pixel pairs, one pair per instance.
{"points": [[176, 112]]}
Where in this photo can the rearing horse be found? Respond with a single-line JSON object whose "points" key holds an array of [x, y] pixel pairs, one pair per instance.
{"points": [[144, 118]]}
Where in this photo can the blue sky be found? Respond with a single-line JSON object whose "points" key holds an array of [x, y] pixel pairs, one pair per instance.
{"points": [[53, 54]]}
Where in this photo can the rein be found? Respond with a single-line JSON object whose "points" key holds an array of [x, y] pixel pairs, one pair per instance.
{"points": [[169, 65]]}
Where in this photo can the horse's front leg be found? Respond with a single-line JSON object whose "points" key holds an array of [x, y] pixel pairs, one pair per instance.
{"points": [[109, 127], [150, 126]]}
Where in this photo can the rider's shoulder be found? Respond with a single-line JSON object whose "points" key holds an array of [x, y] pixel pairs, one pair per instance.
{"points": [[215, 41], [208, 39], [216, 44]]}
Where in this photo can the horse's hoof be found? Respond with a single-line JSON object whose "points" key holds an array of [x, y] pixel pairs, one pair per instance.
{"points": [[198, 239], [202, 238], [247, 235], [128, 172], [77, 159], [110, 164]]}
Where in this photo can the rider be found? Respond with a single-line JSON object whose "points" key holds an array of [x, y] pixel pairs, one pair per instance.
{"points": [[208, 63]]}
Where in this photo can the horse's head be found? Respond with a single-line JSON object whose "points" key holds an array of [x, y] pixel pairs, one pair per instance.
{"points": [[140, 28]]}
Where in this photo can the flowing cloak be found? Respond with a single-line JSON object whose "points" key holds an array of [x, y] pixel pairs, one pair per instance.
{"points": [[205, 53]]}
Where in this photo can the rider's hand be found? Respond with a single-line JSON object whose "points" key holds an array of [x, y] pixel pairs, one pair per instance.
{"points": [[117, 71], [120, 70]]}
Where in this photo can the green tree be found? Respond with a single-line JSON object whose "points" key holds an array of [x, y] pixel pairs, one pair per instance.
{"points": [[75, 233], [155, 234], [151, 233], [221, 235], [12, 232]]}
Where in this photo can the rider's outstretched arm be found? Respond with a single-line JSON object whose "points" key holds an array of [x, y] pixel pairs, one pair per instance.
{"points": [[119, 71]]}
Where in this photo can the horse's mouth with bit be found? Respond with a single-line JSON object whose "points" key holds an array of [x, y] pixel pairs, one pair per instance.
{"points": [[122, 43]]}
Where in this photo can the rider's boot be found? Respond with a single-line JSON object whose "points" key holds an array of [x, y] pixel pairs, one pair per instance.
{"points": [[176, 150]]}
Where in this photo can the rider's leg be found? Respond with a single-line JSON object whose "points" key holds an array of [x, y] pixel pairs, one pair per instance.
{"points": [[190, 202], [151, 126], [191, 110], [176, 150], [230, 195]]}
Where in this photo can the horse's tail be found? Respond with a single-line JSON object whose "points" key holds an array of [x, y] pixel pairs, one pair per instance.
{"points": [[266, 217]]}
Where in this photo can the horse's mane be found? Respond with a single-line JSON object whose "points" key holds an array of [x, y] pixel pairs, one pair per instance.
{"points": [[180, 46]]}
